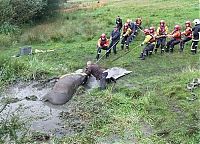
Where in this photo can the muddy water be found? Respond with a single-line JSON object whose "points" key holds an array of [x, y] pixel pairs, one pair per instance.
{"points": [[42, 117]]}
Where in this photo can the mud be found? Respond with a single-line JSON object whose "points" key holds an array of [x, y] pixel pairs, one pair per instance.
{"points": [[42, 117]]}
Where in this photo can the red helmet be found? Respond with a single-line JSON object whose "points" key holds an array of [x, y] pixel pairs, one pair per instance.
{"points": [[138, 20], [188, 23], [177, 27], [103, 36], [152, 29], [146, 31], [162, 22]]}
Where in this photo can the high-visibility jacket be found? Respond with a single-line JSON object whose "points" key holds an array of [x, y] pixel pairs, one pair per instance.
{"points": [[176, 35], [162, 30], [103, 43], [188, 32], [149, 39]]}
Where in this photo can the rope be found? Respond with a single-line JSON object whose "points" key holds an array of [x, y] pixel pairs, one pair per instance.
{"points": [[124, 54]]}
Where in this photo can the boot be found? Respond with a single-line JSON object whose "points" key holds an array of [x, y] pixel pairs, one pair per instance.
{"points": [[155, 51], [171, 50], [127, 47], [143, 58], [141, 55], [122, 46], [97, 57]]}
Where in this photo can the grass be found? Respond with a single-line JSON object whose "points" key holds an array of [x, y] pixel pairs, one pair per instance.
{"points": [[149, 105]]}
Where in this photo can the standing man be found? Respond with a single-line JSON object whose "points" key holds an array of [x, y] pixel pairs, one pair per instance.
{"points": [[162, 31], [118, 22], [114, 37], [126, 32], [195, 35], [175, 39], [98, 73], [103, 43], [187, 35]]}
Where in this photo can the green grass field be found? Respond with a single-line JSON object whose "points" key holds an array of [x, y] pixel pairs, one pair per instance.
{"points": [[150, 105]]}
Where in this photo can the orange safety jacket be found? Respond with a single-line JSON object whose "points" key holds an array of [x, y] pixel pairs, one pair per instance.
{"points": [[176, 35], [188, 32], [103, 43]]}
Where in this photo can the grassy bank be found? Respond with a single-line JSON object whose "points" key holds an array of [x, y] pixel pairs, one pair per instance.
{"points": [[151, 105]]}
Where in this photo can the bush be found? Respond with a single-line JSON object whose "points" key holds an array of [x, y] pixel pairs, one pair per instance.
{"points": [[20, 11]]}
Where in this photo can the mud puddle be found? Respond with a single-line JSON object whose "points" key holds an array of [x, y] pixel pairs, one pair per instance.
{"points": [[42, 117]]}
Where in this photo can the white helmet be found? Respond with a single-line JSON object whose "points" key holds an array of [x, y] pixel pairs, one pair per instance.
{"points": [[196, 21]]}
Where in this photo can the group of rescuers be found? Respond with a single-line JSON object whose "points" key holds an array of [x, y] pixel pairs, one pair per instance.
{"points": [[154, 39]]}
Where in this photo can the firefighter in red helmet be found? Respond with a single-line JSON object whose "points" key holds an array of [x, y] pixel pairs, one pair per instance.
{"points": [[126, 32], [175, 38], [187, 35], [162, 31], [150, 44], [103, 43]]}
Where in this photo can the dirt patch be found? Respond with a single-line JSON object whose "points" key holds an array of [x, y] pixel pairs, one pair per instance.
{"points": [[84, 5]]}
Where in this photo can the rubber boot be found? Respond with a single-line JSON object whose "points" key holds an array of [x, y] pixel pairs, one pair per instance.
{"points": [[122, 46], [155, 51], [127, 47], [171, 50], [162, 49], [97, 57], [141, 55]]}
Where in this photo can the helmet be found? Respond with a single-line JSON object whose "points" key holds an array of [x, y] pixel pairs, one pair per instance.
{"points": [[162, 22], [138, 20], [196, 21], [177, 27], [152, 29], [128, 20], [103, 36], [89, 63], [146, 31], [188, 23]]}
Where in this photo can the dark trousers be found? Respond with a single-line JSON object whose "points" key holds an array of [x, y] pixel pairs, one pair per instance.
{"points": [[194, 46], [183, 41], [161, 42], [130, 39], [99, 51], [123, 41], [102, 83], [147, 49], [113, 45], [171, 44]]}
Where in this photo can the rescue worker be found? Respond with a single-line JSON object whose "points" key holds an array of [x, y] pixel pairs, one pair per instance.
{"points": [[103, 43], [162, 31], [175, 38], [187, 35], [132, 26], [150, 44], [114, 37], [118, 22], [138, 25], [152, 32], [98, 73], [126, 32], [195, 36]]}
